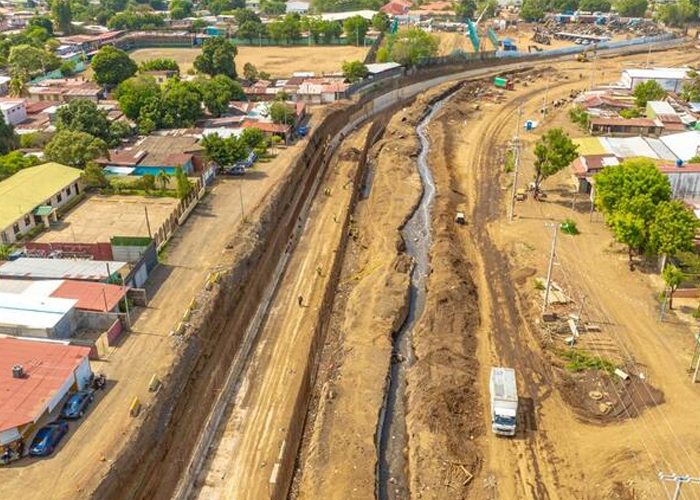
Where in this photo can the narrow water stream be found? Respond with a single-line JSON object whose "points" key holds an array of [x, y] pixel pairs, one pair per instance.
{"points": [[392, 480]]}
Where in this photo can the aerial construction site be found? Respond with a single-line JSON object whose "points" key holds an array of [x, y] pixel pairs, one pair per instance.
{"points": [[431, 291]]}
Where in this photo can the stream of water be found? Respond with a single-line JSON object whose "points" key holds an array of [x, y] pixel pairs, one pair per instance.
{"points": [[392, 480]]}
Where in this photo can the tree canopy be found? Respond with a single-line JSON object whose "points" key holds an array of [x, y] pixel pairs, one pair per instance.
{"points": [[62, 15], [218, 91], [75, 148], [533, 10], [381, 22], [159, 64], [631, 8], [354, 70], [356, 28], [553, 152], [14, 161], [408, 46], [217, 58], [648, 91], [134, 93], [112, 66]]}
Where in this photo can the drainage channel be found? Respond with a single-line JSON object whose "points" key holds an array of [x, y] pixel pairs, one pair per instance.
{"points": [[392, 479]]}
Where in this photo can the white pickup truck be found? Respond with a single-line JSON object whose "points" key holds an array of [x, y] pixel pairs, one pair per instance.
{"points": [[504, 401]]}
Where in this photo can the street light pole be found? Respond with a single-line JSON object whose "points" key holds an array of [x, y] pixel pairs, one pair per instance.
{"points": [[552, 253]]}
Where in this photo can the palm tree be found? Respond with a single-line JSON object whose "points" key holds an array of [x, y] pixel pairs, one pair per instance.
{"points": [[18, 87], [163, 179]]}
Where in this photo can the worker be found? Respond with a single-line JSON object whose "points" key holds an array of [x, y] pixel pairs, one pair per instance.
{"points": [[301, 301]]}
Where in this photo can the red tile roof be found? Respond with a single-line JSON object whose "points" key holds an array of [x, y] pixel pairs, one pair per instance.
{"points": [[91, 296], [47, 367], [397, 7], [686, 168]]}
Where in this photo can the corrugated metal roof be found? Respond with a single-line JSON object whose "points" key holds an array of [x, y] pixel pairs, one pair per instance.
{"points": [[33, 312], [91, 270], [99, 297], [590, 146], [630, 147], [43, 288], [47, 367], [30, 187], [660, 149], [684, 145]]}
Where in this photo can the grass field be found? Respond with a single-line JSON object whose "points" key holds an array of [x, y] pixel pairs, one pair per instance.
{"points": [[278, 61]]}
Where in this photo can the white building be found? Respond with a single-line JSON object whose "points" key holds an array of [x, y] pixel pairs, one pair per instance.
{"points": [[14, 112], [252, 5], [42, 317], [670, 79], [297, 7]]}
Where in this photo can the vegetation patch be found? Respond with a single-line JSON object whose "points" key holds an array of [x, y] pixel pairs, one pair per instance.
{"points": [[580, 361]]}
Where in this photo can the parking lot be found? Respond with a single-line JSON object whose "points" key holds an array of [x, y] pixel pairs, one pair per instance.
{"points": [[100, 217]]}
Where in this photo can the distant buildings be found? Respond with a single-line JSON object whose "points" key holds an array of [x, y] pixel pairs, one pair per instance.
{"points": [[32, 196], [297, 7], [670, 79], [14, 112], [154, 153]]}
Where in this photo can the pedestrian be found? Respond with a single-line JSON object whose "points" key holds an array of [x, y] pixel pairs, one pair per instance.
{"points": [[301, 301]]}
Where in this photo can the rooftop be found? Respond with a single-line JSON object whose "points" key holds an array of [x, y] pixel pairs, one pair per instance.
{"points": [[47, 367], [658, 73], [90, 270], [162, 151], [33, 312], [90, 296], [26, 189]]}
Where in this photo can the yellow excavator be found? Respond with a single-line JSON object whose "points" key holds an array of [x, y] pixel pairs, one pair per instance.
{"points": [[586, 55]]}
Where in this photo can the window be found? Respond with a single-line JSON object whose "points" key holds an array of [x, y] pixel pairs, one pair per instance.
{"points": [[68, 191], [77, 189], [59, 198], [5, 238], [15, 228], [27, 221]]}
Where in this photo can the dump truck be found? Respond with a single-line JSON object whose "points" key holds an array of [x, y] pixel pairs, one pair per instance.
{"points": [[504, 401], [503, 83]]}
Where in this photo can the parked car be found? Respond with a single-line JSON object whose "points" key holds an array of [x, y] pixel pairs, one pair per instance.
{"points": [[77, 404], [48, 438], [234, 170]]}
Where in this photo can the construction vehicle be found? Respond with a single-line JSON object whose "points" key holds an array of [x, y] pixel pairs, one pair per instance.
{"points": [[504, 401], [586, 55], [533, 48], [541, 37]]}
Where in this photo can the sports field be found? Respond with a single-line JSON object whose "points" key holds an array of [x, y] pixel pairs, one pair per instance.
{"points": [[278, 61]]}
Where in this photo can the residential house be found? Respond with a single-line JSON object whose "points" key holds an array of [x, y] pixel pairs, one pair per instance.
{"points": [[397, 7], [14, 111], [617, 126], [670, 79], [161, 76], [31, 197], [63, 90], [154, 153], [297, 7]]}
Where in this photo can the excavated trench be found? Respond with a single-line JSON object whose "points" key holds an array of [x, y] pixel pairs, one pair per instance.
{"points": [[392, 439]]}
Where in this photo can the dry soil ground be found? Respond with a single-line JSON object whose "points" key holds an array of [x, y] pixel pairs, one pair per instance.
{"points": [[196, 249], [482, 311], [98, 218], [560, 452], [278, 61]]}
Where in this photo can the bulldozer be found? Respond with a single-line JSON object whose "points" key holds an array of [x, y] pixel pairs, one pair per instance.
{"points": [[586, 55]]}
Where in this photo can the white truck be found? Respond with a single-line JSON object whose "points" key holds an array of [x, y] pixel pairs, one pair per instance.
{"points": [[504, 401]]}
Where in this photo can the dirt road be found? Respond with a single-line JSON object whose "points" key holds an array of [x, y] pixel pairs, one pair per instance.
{"points": [[95, 441], [557, 454]]}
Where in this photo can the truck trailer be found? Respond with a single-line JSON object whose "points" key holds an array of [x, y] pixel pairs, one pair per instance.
{"points": [[504, 401]]}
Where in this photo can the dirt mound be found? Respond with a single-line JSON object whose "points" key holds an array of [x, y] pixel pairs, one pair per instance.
{"points": [[597, 397], [444, 406]]}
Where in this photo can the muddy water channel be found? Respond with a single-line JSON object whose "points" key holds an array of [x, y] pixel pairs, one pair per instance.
{"points": [[392, 477]]}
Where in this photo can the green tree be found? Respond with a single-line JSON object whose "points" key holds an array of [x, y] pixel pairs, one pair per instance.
{"points": [[163, 179], [631, 8], [251, 30], [381, 22], [250, 72], [579, 116], [218, 91], [273, 7], [217, 58], [677, 14], [181, 105], [466, 9], [673, 277], [67, 68], [533, 10], [18, 87], [595, 5], [630, 230], [409, 46], [93, 176], [184, 188], [14, 161], [76, 149], [354, 71], [159, 64], [673, 229], [62, 15], [616, 187], [8, 139], [180, 9], [281, 113], [691, 88], [356, 28], [112, 66], [254, 139], [133, 94], [82, 115], [42, 21], [275, 30], [26, 60], [330, 30], [553, 152], [647, 91]]}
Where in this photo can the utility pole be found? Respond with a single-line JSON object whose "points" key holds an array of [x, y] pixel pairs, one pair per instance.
{"points": [[240, 192], [552, 253], [514, 192], [148, 222], [696, 358], [679, 480]]}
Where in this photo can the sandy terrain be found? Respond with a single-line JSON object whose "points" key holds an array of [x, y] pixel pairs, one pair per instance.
{"points": [[93, 443], [278, 61], [557, 454], [98, 218], [268, 406]]}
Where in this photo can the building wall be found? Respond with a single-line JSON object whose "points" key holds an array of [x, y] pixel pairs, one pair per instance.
{"points": [[685, 185], [26, 222], [668, 84], [16, 114]]}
